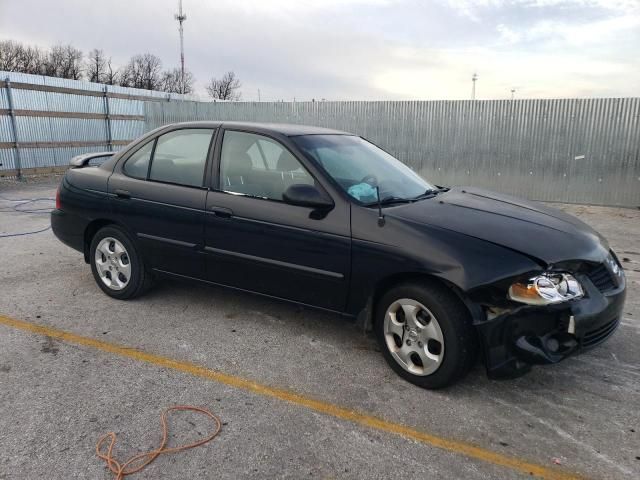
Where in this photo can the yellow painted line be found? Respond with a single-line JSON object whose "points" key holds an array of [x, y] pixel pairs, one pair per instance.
{"points": [[336, 411]]}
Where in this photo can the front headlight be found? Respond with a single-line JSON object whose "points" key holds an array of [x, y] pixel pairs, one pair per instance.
{"points": [[546, 289]]}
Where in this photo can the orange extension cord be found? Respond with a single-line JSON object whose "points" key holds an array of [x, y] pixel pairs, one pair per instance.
{"points": [[120, 470]]}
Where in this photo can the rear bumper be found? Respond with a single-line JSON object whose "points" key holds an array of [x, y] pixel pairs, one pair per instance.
{"points": [[68, 228], [544, 335]]}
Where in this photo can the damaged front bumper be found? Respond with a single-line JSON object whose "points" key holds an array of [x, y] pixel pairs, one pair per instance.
{"points": [[532, 335]]}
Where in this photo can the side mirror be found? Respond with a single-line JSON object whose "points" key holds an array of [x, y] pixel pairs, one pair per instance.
{"points": [[304, 195]]}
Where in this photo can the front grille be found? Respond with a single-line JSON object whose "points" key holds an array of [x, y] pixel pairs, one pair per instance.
{"points": [[602, 278], [600, 334]]}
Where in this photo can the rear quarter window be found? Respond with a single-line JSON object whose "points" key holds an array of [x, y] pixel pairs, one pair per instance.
{"points": [[137, 165]]}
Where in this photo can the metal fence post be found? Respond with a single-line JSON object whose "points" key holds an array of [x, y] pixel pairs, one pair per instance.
{"points": [[107, 116], [14, 128], [168, 97]]}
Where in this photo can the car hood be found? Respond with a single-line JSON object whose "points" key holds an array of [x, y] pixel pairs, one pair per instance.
{"points": [[546, 234]]}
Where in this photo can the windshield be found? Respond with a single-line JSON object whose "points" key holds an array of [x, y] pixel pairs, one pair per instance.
{"points": [[359, 167]]}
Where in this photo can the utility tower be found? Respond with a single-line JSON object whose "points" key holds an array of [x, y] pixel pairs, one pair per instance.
{"points": [[181, 17], [474, 78]]}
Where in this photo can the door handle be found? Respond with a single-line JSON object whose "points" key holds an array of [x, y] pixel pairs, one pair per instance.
{"points": [[122, 193], [221, 212]]}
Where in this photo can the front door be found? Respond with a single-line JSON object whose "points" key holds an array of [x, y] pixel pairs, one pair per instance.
{"points": [[158, 193], [255, 241]]}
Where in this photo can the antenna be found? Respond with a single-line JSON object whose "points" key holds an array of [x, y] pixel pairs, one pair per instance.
{"points": [[381, 220], [181, 17], [474, 78]]}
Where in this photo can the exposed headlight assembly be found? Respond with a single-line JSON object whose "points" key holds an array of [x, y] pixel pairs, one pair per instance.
{"points": [[613, 265], [546, 289]]}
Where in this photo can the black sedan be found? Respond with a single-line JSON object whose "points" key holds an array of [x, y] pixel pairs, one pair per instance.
{"points": [[327, 219]]}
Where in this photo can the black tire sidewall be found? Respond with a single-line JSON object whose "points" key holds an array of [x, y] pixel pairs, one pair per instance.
{"points": [[455, 323], [137, 268]]}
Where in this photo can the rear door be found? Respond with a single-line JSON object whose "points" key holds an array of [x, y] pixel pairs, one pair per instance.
{"points": [[255, 241], [158, 193]]}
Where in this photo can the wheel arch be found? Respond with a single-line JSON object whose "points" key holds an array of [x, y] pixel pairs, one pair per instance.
{"points": [[366, 317], [92, 228]]}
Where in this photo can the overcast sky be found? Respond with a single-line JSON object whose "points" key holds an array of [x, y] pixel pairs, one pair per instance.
{"points": [[362, 49]]}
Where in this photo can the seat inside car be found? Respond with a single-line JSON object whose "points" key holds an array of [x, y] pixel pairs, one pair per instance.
{"points": [[290, 171], [248, 169], [238, 174], [286, 162]]}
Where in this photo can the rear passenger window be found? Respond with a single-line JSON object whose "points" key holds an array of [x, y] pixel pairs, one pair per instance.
{"points": [[138, 164], [180, 157], [256, 165]]}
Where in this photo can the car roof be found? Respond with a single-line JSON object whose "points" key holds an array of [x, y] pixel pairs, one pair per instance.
{"points": [[289, 130]]}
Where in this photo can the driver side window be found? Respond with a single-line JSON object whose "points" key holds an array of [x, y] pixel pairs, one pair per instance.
{"points": [[258, 166]]}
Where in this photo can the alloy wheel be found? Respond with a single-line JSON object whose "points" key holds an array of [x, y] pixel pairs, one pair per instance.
{"points": [[113, 263], [414, 337]]}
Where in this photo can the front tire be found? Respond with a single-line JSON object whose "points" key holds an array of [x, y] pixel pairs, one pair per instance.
{"points": [[425, 334], [116, 265]]}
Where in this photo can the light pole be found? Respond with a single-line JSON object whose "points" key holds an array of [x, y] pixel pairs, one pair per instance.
{"points": [[474, 78], [513, 93]]}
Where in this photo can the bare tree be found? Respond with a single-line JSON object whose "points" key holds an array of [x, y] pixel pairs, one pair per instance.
{"points": [[225, 88], [64, 61], [96, 66], [52, 62], [142, 71], [31, 60], [15, 57], [73, 63], [170, 81], [111, 76], [9, 56]]}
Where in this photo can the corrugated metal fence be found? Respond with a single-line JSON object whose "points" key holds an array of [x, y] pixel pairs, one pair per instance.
{"points": [[567, 150], [44, 121]]}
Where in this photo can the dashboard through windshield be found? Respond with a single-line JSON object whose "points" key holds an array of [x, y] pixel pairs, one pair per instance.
{"points": [[362, 169]]}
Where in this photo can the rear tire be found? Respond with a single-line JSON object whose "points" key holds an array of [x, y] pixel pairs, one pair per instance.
{"points": [[425, 333], [116, 265]]}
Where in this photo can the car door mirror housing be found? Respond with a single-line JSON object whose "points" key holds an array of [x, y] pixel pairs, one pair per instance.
{"points": [[304, 195]]}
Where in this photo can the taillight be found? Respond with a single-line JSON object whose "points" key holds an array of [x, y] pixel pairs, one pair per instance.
{"points": [[58, 204]]}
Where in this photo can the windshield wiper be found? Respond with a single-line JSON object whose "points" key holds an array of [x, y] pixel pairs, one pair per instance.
{"points": [[430, 193], [389, 201], [393, 200]]}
